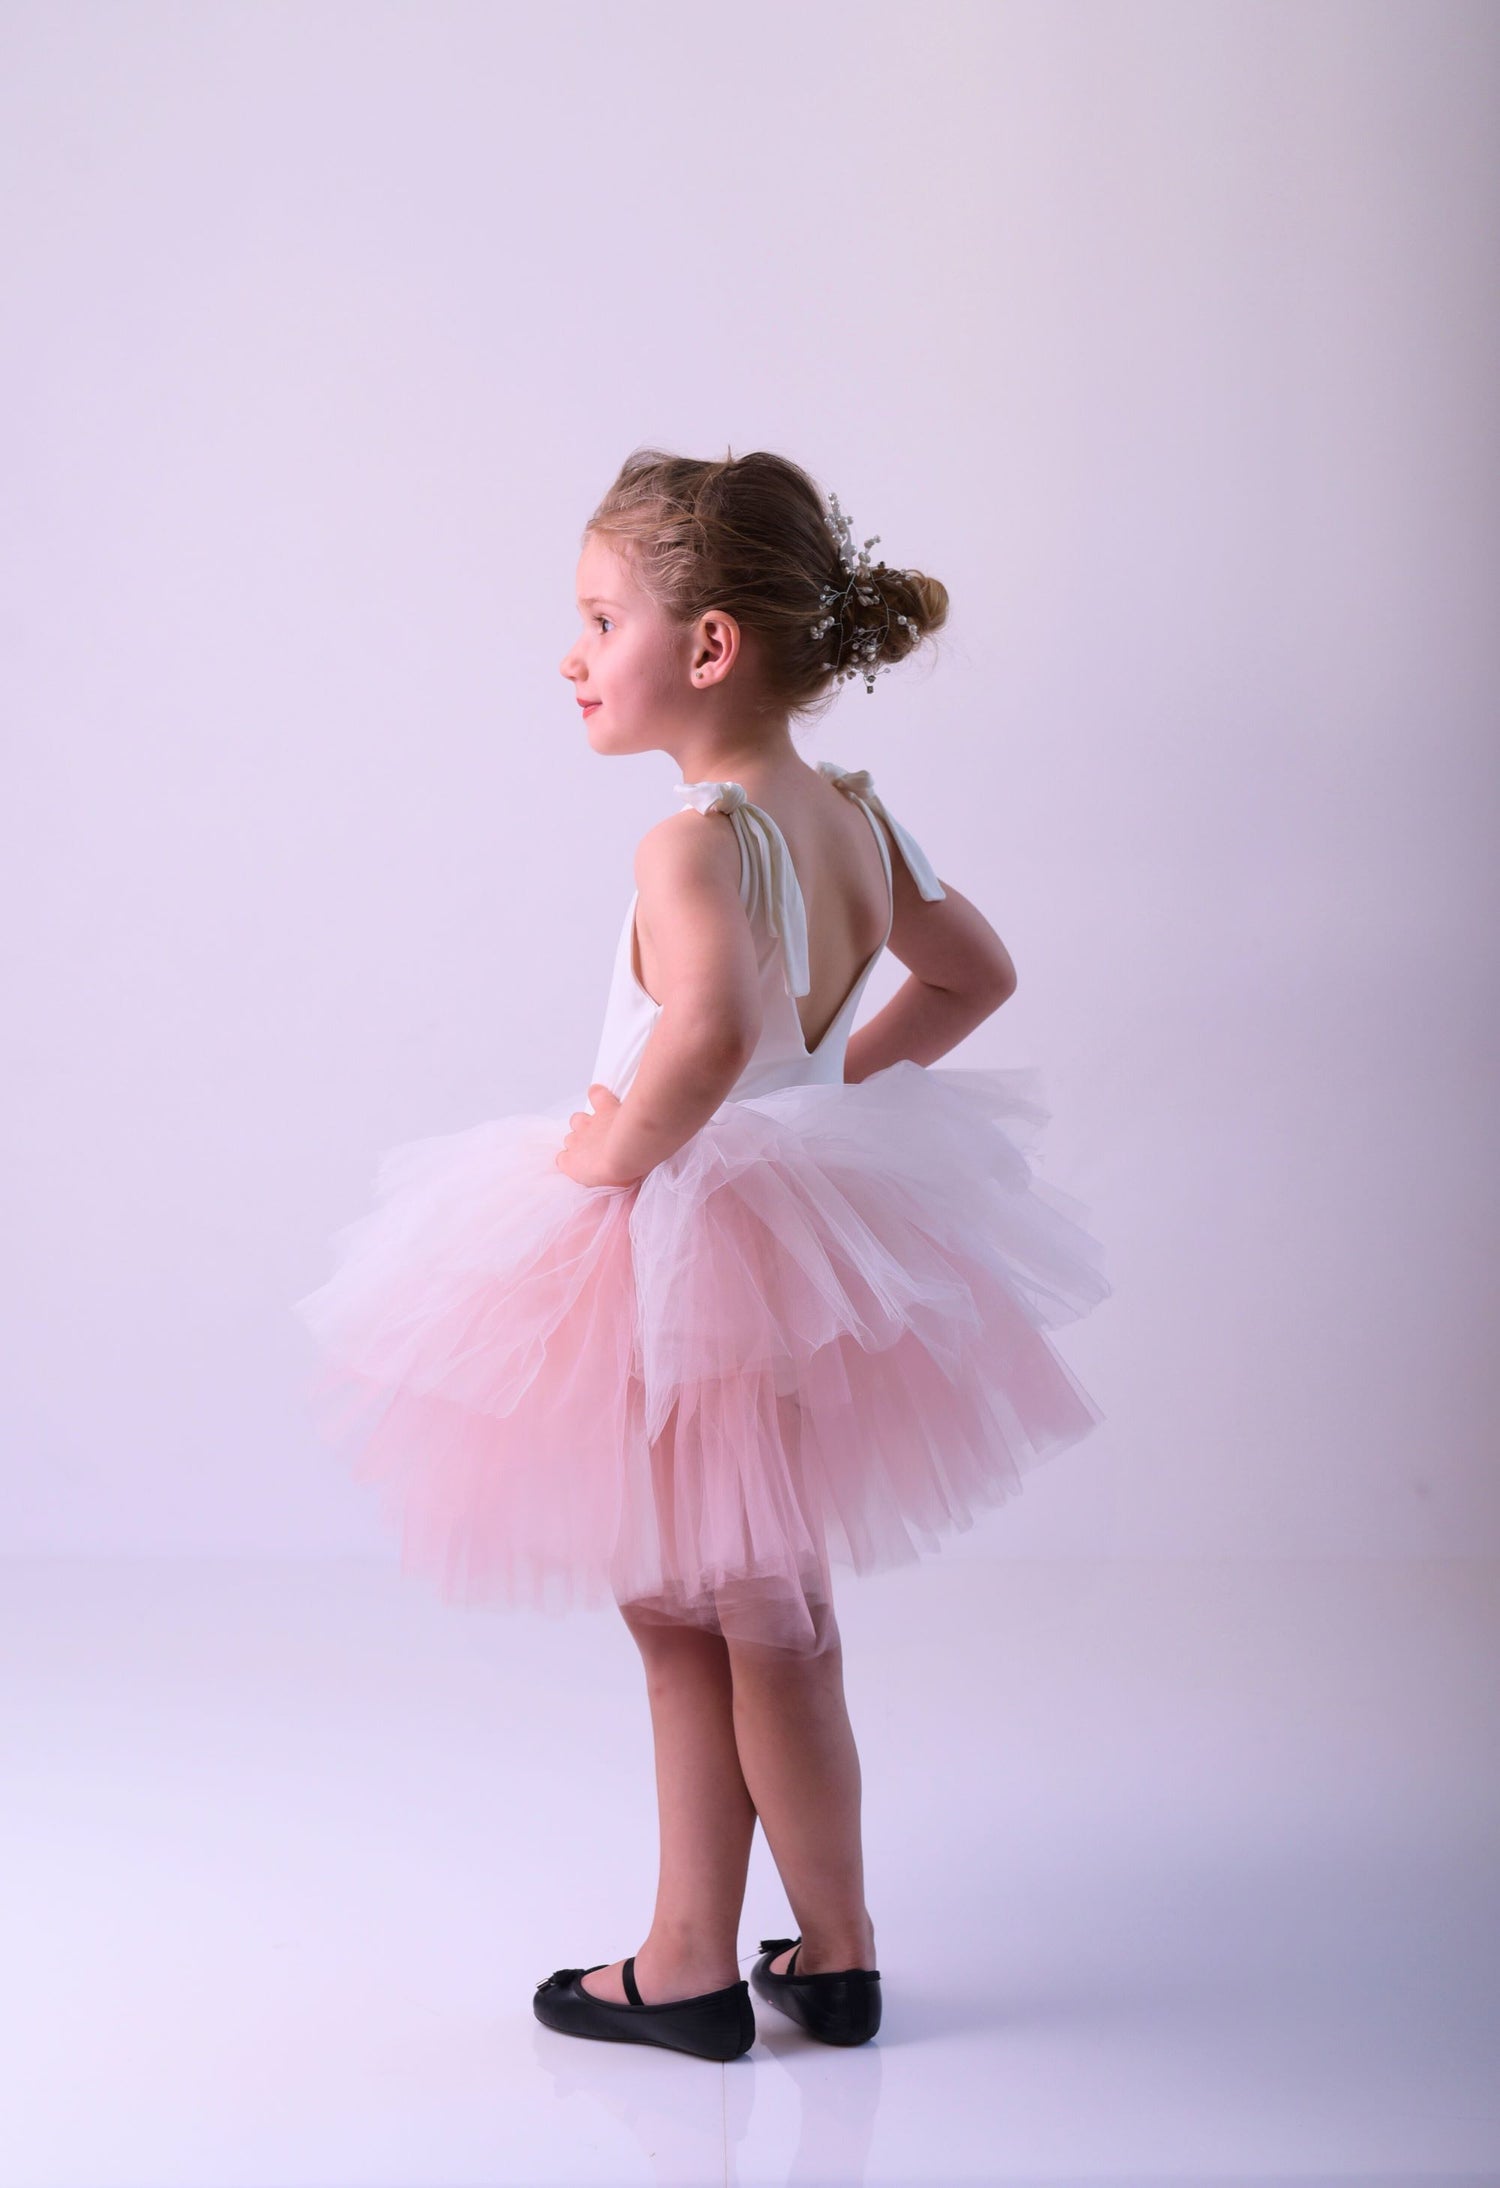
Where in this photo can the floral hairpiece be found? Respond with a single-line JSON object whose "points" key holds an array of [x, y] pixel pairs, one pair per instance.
{"points": [[866, 639]]}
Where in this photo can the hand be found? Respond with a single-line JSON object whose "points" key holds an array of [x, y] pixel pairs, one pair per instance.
{"points": [[584, 1153]]}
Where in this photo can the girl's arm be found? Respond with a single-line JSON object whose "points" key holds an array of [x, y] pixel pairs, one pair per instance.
{"points": [[961, 972], [703, 961]]}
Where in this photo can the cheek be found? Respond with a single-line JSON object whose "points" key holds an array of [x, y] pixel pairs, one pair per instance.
{"points": [[649, 670]]}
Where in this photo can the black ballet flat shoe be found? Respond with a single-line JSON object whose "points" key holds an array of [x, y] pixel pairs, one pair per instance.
{"points": [[717, 2024], [841, 2006]]}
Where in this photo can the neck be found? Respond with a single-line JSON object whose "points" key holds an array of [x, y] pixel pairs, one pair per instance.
{"points": [[764, 756]]}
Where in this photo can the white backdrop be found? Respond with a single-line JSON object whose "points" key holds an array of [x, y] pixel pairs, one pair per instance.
{"points": [[1163, 334]]}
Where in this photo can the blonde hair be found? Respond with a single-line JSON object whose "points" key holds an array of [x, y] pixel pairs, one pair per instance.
{"points": [[751, 535]]}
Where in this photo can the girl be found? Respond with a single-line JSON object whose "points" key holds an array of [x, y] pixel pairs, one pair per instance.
{"points": [[778, 1297]]}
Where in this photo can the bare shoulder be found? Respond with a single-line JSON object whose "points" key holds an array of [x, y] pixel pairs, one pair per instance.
{"points": [[687, 849], [697, 952]]}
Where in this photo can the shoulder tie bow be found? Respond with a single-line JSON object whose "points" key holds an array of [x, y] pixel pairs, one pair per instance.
{"points": [[770, 863], [712, 797], [857, 783]]}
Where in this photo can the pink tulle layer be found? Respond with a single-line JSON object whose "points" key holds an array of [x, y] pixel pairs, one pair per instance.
{"points": [[814, 1334]]}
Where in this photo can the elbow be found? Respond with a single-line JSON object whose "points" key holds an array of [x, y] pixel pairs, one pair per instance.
{"points": [[1001, 986], [719, 1043], [727, 1056], [993, 998]]}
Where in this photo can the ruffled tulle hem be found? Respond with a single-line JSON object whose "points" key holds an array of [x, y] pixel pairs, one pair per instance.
{"points": [[814, 1336]]}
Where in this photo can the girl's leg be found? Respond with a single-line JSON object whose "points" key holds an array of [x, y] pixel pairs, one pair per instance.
{"points": [[800, 1765], [706, 1816]]}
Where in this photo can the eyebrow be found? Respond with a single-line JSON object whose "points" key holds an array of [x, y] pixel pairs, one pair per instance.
{"points": [[597, 600]]}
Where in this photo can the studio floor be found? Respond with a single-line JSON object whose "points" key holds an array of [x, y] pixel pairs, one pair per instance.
{"points": [[1180, 1872]]}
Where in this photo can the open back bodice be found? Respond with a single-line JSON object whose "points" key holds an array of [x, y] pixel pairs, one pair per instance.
{"points": [[774, 906]]}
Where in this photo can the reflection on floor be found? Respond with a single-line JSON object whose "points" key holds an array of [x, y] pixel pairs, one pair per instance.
{"points": [[1180, 1872]]}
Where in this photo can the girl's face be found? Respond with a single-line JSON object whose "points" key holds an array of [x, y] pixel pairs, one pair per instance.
{"points": [[628, 662]]}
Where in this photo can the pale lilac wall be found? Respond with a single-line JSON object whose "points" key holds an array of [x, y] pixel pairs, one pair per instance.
{"points": [[1164, 334]]}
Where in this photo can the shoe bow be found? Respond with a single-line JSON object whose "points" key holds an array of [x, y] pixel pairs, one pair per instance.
{"points": [[774, 1945], [559, 1979]]}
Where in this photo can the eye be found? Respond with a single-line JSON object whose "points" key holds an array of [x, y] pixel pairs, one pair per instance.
{"points": [[604, 619]]}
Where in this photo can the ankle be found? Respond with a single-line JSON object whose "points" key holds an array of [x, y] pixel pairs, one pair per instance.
{"points": [[692, 1959], [834, 1947]]}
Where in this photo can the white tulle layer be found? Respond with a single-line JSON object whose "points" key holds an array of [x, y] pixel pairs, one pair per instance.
{"points": [[814, 1334]]}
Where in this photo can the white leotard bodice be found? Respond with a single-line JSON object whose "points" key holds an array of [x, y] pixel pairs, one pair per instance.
{"points": [[772, 897]]}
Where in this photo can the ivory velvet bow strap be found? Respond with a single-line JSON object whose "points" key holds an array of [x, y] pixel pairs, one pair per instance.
{"points": [[768, 858], [856, 783]]}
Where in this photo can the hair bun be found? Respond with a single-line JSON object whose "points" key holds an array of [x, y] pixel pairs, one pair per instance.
{"points": [[906, 605], [749, 536]]}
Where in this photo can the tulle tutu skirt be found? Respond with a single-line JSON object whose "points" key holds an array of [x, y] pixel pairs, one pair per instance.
{"points": [[813, 1335]]}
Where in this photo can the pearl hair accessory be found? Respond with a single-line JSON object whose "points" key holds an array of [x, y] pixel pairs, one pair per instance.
{"points": [[866, 639]]}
